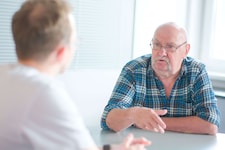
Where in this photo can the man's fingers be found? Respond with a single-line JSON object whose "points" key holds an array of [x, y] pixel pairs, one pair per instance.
{"points": [[142, 141], [161, 112], [135, 143], [154, 126], [128, 140], [154, 121], [157, 121], [161, 130]]}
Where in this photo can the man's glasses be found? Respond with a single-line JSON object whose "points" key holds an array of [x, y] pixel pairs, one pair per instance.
{"points": [[168, 47]]}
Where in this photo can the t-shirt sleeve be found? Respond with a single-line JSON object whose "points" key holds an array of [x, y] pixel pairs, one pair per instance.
{"points": [[54, 122]]}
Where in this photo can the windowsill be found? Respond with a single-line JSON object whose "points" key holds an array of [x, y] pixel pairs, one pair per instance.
{"points": [[217, 76], [218, 82], [220, 93]]}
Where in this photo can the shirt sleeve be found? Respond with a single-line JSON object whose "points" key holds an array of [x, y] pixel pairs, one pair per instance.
{"points": [[204, 99], [122, 95], [54, 122]]}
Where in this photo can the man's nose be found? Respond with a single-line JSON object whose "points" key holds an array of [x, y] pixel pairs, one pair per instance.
{"points": [[162, 51]]}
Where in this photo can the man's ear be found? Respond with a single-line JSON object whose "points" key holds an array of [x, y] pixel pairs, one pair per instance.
{"points": [[187, 50], [60, 53]]}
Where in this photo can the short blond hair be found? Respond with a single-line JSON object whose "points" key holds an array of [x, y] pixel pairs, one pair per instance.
{"points": [[39, 26]]}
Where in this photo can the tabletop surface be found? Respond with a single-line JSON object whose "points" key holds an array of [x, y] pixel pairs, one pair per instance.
{"points": [[166, 141]]}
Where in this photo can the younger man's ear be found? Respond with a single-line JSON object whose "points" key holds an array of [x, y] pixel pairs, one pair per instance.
{"points": [[60, 53]]}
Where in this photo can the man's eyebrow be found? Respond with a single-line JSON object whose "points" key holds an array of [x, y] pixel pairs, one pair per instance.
{"points": [[156, 40]]}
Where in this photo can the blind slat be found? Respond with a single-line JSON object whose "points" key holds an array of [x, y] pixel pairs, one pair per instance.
{"points": [[103, 42]]}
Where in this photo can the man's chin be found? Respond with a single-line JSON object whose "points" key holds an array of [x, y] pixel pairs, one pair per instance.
{"points": [[162, 72], [162, 68]]}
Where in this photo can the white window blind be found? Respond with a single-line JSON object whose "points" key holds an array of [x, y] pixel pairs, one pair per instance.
{"points": [[105, 32], [7, 48]]}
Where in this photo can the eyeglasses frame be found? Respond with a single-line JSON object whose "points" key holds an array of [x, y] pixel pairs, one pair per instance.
{"points": [[176, 47]]}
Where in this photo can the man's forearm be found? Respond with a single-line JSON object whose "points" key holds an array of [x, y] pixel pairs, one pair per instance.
{"points": [[190, 124], [119, 119]]}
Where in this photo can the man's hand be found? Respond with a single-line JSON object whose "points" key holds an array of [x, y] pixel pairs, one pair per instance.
{"points": [[141, 117], [131, 143], [149, 119]]}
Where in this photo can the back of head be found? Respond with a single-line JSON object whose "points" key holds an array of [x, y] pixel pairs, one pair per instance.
{"points": [[39, 26]]}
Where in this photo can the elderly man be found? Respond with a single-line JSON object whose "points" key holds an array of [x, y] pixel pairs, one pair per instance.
{"points": [[166, 90], [36, 111]]}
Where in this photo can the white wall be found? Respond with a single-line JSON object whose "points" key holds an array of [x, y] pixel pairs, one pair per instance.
{"points": [[91, 90]]}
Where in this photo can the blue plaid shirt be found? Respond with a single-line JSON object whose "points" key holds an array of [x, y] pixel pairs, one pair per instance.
{"points": [[192, 93]]}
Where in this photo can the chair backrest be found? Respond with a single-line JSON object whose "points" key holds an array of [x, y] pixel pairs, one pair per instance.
{"points": [[221, 105]]}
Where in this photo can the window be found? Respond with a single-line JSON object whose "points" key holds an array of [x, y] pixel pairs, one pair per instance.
{"points": [[204, 20], [218, 46], [214, 54], [205, 24], [105, 31], [151, 13]]}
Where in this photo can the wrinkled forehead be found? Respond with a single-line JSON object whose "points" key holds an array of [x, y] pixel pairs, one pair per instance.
{"points": [[170, 33]]}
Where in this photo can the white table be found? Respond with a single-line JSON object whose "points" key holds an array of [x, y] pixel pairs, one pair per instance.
{"points": [[166, 141]]}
